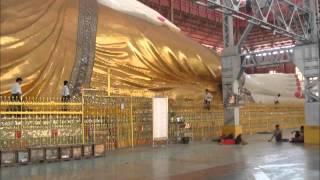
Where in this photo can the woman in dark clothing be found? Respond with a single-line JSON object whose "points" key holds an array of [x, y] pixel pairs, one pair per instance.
{"points": [[298, 136], [239, 140]]}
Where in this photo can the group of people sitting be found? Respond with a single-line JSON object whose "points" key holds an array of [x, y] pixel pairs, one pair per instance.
{"points": [[277, 135], [297, 138]]}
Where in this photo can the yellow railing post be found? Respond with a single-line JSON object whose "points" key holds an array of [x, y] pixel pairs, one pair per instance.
{"points": [[21, 123], [201, 125], [117, 112], [82, 115], [131, 120], [109, 82], [250, 129], [94, 126]]}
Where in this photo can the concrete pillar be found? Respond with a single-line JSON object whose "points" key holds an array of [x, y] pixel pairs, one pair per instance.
{"points": [[309, 61], [230, 70], [230, 73]]}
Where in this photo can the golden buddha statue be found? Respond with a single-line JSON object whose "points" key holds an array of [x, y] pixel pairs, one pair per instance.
{"points": [[39, 44]]}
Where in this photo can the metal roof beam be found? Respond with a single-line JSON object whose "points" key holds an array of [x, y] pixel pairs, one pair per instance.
{"points": [[282, 21]]}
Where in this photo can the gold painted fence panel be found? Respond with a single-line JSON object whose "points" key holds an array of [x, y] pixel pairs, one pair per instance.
{"points": [[122, 121], [117, 122]]}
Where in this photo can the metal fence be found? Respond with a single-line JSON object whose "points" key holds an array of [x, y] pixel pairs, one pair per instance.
{"points": [[42, 122], [204, 124], [262, 118], [122, 121], [254, 118], [38, 122], [118, 121]]}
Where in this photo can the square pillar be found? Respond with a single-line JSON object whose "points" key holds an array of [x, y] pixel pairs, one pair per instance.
{"points": [[307, 59], [230, 72]]}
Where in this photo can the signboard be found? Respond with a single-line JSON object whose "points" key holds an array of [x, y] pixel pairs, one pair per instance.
{"points": [[160, 118]]}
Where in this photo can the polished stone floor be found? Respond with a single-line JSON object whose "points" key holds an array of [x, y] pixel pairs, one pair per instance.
{"points": [[259, 160]]}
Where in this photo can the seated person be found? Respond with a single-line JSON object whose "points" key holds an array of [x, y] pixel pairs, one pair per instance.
{"points": [[277, 134], [239, 140], [298, 136], [226, 139]]}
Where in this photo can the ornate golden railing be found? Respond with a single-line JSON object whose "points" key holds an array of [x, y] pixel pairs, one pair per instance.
{"points": [[37, 122], [117, 121], [262, 118], [254, 118], [41, 122], [122, 121], [204, 124]]}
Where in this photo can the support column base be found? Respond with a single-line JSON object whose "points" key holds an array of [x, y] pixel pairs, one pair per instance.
{"points": [[232, 129], [311, 134]]}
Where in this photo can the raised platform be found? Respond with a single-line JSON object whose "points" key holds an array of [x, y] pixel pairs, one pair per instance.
{"points": [[205, 160], [51, 154]]}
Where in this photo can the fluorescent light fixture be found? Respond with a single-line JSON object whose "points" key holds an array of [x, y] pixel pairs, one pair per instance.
{"points": [[201, 3], [281, 52], [207, 45], [291, 50], [275, 52], [274, 32], [288, 35], [265, 27], [253, 22], [219, 10], [247, 56], [214, 1], [239, 17], [264, 54]]}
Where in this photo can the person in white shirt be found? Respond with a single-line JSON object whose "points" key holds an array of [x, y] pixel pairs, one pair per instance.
{"points": [[65, 95], [276, 99], [65, 92], [207, 99], [16, 91]]}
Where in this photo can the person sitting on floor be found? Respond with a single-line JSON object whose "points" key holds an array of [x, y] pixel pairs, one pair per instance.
{"points": [[229, 140], [298, 136], [277, 134], [239, 140], [226, 139]]}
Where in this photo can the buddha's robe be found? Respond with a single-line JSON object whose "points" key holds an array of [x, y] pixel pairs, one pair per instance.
{"points": [[38, 43]]}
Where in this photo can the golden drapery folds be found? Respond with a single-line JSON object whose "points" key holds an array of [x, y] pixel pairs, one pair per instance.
{"points": [[145, 56], [38, 43]]}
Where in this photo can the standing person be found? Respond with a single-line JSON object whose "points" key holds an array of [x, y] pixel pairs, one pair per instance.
{"points": [[207, 99], [65, 92], [16, 91], [276, 99]]}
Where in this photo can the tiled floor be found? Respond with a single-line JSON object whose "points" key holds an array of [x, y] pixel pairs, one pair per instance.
{"points": [[258, 160]]}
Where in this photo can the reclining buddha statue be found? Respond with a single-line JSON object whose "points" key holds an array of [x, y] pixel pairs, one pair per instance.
{"points": [[47, 42], [89, 42]]}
